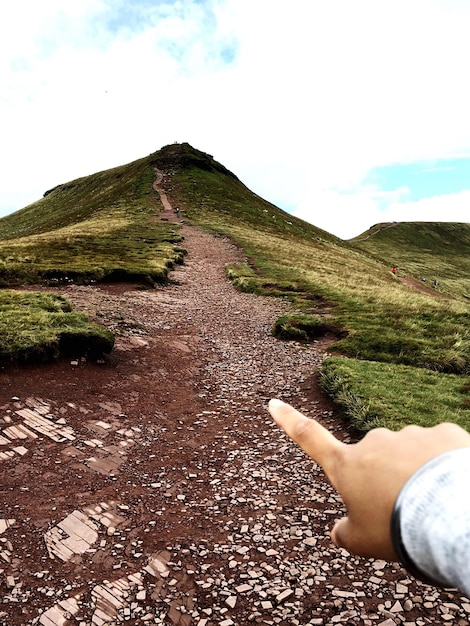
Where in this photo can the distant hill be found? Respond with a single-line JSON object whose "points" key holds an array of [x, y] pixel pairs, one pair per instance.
{"points": [[99, 227], [432, 250], [105, 226]]}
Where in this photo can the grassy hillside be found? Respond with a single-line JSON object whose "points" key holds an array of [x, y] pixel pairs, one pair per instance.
{"points": [[101, 227], [386, 320], [385, 329], [424, 250]]}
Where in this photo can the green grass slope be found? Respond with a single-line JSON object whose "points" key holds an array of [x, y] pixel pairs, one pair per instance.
{"points": [[420, 250], [98, 228]]}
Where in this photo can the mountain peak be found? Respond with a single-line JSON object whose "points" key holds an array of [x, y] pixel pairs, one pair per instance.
{"points": [[184, 156]]}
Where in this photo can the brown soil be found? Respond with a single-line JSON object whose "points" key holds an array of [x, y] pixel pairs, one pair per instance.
{"points": [[154, 488], [420, 286]]}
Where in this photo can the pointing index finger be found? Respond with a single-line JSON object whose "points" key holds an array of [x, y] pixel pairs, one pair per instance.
{"points": [[311, 436]]}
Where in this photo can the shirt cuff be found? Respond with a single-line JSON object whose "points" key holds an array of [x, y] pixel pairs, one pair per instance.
{"points": [[430, 521]]}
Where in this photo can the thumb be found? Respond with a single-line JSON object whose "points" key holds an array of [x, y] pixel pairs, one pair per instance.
{"points": [[369, 541], [341, 534]]}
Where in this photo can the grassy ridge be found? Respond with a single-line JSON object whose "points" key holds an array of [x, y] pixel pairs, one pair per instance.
{"points": [[127, 186], [107, 248]]}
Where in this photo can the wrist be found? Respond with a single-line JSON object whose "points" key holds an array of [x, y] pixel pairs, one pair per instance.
{"points": [[419, 526]]}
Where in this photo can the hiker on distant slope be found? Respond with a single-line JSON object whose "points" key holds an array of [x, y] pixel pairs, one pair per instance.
{"points": [[406, 493], [394, 271]]}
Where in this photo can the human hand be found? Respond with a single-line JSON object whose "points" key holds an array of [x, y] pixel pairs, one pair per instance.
{"points": [[369, 474]]}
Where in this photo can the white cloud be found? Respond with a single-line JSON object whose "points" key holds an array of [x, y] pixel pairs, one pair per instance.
{"points": [[300, 100], [445, 208], [349, 215], [345, 215]]}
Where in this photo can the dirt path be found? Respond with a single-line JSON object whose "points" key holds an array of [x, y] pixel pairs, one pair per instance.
{"points": [[420, 286], [169, 213], [154, 489]]}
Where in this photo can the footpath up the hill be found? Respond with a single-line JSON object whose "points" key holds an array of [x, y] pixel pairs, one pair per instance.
{"points": [[155, 489]]}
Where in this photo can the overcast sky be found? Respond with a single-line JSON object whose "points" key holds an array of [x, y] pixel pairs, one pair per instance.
{"points": [[343, 112]]}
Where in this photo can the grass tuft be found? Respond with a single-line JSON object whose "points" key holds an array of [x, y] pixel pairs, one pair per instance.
{"points": [[39, 327], [303, 327]]}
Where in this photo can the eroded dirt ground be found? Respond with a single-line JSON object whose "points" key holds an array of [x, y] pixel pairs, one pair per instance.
{"points": [[154, 488]]}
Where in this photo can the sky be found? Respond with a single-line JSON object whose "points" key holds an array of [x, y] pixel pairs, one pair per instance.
{"points": [[344, 113]]}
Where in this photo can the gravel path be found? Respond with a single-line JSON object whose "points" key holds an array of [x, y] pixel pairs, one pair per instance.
{"points": [[166, 495]]}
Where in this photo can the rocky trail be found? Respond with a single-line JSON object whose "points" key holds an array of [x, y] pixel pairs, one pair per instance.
{"points": [[155, 489]]}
